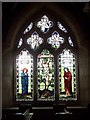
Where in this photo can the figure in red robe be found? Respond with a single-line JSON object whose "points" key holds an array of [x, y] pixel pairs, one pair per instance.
{"points": [[67, 81]]}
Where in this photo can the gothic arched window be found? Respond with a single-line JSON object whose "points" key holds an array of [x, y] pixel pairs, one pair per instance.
{"points": [[46, 63], [24, 76]]}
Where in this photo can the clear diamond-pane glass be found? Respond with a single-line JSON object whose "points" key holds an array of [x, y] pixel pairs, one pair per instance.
{"points": [[44, 24], [61, 27], [24, 76], [45, 66], [20, 43], [67, 76], [28, 28], [34, 41], [70, 41], [55, 40]]}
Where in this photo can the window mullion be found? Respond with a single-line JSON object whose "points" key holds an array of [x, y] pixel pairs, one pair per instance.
{"points": [[56, 79], [35, 78]]}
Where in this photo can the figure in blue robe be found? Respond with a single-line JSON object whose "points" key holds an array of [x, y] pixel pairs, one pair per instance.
{"points": [[24, 81]]}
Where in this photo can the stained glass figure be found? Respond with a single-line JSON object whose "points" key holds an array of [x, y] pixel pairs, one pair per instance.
{"points": [[55, 40], [67, 76], [34, 41], [70, 41], [61, 27], [24, 81], [24, 76], [45, 66], [20, 43], [44, 24], [28, 28], [67, 82]]}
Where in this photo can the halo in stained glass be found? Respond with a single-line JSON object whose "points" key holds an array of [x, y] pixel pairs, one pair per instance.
{"points": [[45, 66], [28, 28], [44, 24], [34, 41], [70, 41], [55, 40], [61, 27], [67, 61], [24, 76], [20, 43]]}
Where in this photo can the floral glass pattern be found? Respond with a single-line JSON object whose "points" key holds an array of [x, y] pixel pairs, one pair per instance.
{"points": [[45, 66], [67, 61], [20, 43], [55, 40], [34, 41], [61, 27], [44, 24], [70, 41], [24, 76], [28, 28]]}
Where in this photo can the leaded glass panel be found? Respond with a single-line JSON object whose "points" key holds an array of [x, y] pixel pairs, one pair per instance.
{"points": [[67, 76], [24, 76], [70, 41], [45, 67], [20, 43], [28, 28], [61, 27], [34, 41], [44, 24], [55, 40]]}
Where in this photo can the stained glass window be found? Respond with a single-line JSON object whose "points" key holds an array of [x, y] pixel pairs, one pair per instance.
{"points": [[24, 76], [20, 43], [67, 76], [70, 41], [44, 24], [28, 28], [61, 27], [34, 41], [55, 40], [49, 72], [45, 66]]}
